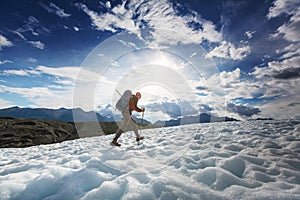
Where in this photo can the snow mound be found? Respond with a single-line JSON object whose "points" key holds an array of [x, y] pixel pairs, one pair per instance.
{"points": [[233, 160]]}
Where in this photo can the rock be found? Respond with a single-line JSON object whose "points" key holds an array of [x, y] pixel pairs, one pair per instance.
{"points": [[29, 132]]}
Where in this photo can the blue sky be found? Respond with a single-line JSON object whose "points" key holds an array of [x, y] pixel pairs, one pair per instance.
{"points": [[234, 58]]}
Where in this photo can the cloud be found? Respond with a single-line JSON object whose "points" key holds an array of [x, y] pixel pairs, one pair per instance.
{"points": [[287, 68], [118, 18], [228, 51], [173, 109], [4, 42], [33, 26], [128, 44], [242, 110], [37, 44], [5, 61], [4, 103], [108, 4], [32, 60], [289, 30], [16, 72], [279, 80], [19, 34], [205, 108], [282, 107], [230, 78], [45, 97], [52, 8], [63, 75], [66, 72], [283, 7], [292, 50], [76, 28], [59, 89], [201, 88], [160, 21], [250, 34], [288, 73]]}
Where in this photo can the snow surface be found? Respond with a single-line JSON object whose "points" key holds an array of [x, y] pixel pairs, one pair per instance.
{"points": [[232, 160]]}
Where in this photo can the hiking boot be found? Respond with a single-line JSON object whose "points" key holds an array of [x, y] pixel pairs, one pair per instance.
{"points": [[139, 138], [115, 143]]}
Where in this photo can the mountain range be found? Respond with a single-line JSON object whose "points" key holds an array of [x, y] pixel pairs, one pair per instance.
{"points": [[62, 114], [202, 118], [67, 115]]}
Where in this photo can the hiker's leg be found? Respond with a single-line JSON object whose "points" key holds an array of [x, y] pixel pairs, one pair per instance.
{"points": [[125, 121], [118, 134], [135, 128]]}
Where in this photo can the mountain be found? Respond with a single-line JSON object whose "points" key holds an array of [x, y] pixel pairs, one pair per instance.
{"points": [[67, 115], [62, 114], [202, 118]]}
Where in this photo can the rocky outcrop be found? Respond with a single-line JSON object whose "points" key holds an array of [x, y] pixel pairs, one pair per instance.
{"points": [[29, 132]]}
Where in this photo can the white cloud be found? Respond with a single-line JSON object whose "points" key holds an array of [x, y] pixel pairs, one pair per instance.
{"points": [[250, 34], [277, 92], [59, 91], [128, 44], [228, 51], [5, 61], [193, 54], [43, 97], [292, 50], [4, 103], [19, 34], [289, 30], [281, 108], [4, 42], [288, 66], [64, 75], [52, 8], [76, 28], [118, 18], [108, 4], [283, 7], [162, 21], [279, 80], [71, 73], [33, 26], [37, 44], [19, 72], [32, 60]]}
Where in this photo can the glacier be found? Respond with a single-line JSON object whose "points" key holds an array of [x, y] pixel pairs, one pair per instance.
{"points": [[224, 160]]}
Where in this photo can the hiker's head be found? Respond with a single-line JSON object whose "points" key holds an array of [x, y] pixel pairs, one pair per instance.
{"points": [[138, 95]]}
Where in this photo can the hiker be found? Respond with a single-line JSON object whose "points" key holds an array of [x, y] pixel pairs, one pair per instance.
{"points": [[127, 122]]}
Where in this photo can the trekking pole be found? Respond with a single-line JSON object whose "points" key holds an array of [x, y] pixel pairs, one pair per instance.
{"points": [[141, 127], [118, 92], [142, 121]]}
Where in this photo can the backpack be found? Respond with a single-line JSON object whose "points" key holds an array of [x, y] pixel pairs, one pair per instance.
{"points": [[122, 103]]}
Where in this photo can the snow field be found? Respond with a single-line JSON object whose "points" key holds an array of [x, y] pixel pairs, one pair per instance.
{"points": [[233, 160]]}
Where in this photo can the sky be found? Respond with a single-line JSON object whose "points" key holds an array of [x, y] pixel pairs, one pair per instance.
{"points": [[234, 58]]}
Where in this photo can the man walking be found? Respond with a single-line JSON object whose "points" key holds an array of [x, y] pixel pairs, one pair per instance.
{"points": [[127, 122]]}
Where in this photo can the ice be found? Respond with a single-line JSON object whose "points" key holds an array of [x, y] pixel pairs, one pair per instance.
{"points": [[233, 160]]}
